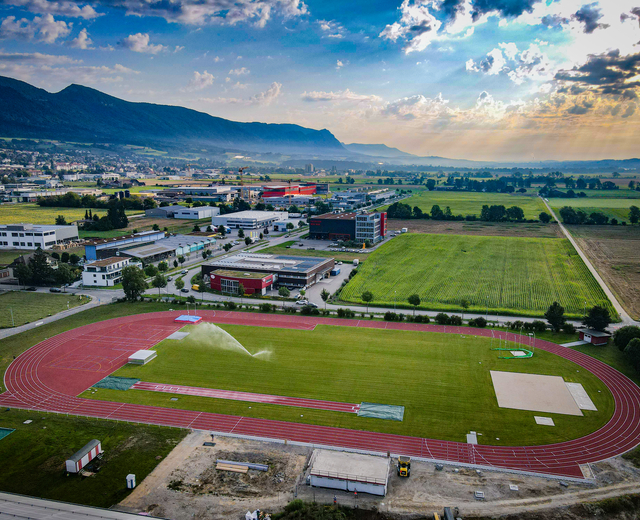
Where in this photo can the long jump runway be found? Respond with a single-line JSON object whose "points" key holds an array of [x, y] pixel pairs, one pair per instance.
{"points": [[50, 375]]}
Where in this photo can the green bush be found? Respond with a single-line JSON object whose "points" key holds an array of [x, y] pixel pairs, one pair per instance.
{"points": [[479, 322], [632, 353], [345, 313], [624, 335], [442, 318], [568, 328]]}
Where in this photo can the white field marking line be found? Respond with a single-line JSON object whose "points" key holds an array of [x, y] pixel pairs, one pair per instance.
{"points": [[194, 419], [236, 425]]}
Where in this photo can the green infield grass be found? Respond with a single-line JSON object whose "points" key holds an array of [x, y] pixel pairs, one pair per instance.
{"points": [[442, 380], [518, 276], [33, 306], [33, 456], [470, 203]]}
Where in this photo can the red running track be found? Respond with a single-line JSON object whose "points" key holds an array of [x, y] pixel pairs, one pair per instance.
{"points": [[48, 377], [247, 396]]}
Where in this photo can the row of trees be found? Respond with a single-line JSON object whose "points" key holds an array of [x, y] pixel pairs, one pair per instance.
{"points": [[37, 271], [570, 215], [73, 200], [495, 213]]}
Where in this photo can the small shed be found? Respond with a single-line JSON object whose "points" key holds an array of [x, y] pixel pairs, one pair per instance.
{"points": [[82, 457], [595, 337], [349, 471], [142, 357]]}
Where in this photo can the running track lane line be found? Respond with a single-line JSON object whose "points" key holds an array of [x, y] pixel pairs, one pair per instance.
{"points": [[26, 380]]}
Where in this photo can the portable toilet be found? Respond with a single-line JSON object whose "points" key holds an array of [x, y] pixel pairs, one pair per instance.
{"points": [[131, 481]]}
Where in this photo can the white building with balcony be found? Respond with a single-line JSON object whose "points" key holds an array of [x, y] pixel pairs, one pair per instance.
{"points": [[105, 273]]}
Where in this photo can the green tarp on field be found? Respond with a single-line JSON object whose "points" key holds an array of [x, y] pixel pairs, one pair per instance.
{"points": [[381, 411], [4, 432], [116, 383]]}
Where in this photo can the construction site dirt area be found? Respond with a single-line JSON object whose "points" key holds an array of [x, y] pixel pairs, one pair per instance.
{"points": [[187, 485]]}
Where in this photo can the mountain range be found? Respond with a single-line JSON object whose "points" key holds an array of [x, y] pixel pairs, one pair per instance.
{"points": [[85, 115]]}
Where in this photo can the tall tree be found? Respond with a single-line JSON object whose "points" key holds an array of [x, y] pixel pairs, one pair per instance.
{"points": [[555, 316], [325, 296], [367, 297], [597, 318], [133, 282], [65, 275], [414, 300], [41, 271], [61, 221], [634, 214], [159, 282]]}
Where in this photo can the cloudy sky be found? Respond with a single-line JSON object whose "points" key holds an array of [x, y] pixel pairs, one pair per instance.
{"points": [[475, 79]]}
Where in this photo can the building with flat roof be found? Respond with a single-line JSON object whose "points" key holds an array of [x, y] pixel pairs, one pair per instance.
{"points": [[288, 271], [106, 272], [32, 236], [228, 281], [293, 200], [172, 246], [107, 247], [182, 212], [288, 189], [349, 226], [249, 219], [348, 471]]}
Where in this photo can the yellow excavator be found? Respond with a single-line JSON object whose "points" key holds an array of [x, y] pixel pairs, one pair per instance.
{"points": [[404, 466]]}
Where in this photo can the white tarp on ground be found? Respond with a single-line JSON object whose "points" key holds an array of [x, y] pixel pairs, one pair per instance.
{"points": [[178, 335], [581, 397], [533, 392], [544, 421]]}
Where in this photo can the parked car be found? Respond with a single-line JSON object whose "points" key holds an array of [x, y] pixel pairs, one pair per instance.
{"points": [[184, 271], [30, 289], [169, 278], [184, 290], [302, 302], [55, 289], [311, 304]]}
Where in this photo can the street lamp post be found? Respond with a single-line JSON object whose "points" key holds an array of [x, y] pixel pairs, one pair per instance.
{"points": [[394, 299]]}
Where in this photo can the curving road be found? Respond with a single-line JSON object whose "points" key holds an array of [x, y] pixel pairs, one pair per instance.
{"points": [[50, 375]]}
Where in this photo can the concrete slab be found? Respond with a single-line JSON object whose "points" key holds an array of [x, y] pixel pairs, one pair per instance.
{"points": [[518, 353], [533, 392], [544, 421], [574, 344], [178, 335], [472, 438], [350, 466], [581, 397]]}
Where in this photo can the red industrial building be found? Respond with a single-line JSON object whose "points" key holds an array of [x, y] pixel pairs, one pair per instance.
{"points": [[227, 281], [286, 190]]}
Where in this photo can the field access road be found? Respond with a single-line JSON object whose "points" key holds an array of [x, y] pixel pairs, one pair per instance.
{"points": [[626, 319]]}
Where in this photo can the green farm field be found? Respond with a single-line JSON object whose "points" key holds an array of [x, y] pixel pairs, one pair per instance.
{"points": [[33, 306], [611, 207], [33, 214], [442, 380], [507, 275], [470, 203]]}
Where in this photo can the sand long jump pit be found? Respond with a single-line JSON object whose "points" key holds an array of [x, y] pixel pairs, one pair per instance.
{"points": [[533, 392]]}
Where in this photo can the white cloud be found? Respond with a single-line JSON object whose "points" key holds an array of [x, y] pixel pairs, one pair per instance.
{"points": [[140, 43], [82, 41], [340, 64], [199, 81], [339, 96], [239, 85], [221, 12], [64, 8], [529, 65], [178, 48], [217, 59], [331, 29], [417, 26], [42, 28], [58, 71], [268, 96], [239, 72]]}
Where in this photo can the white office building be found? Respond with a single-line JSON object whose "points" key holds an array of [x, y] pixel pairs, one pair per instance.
{"points": [[249, 219], [107, 272], [32, 236]]}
